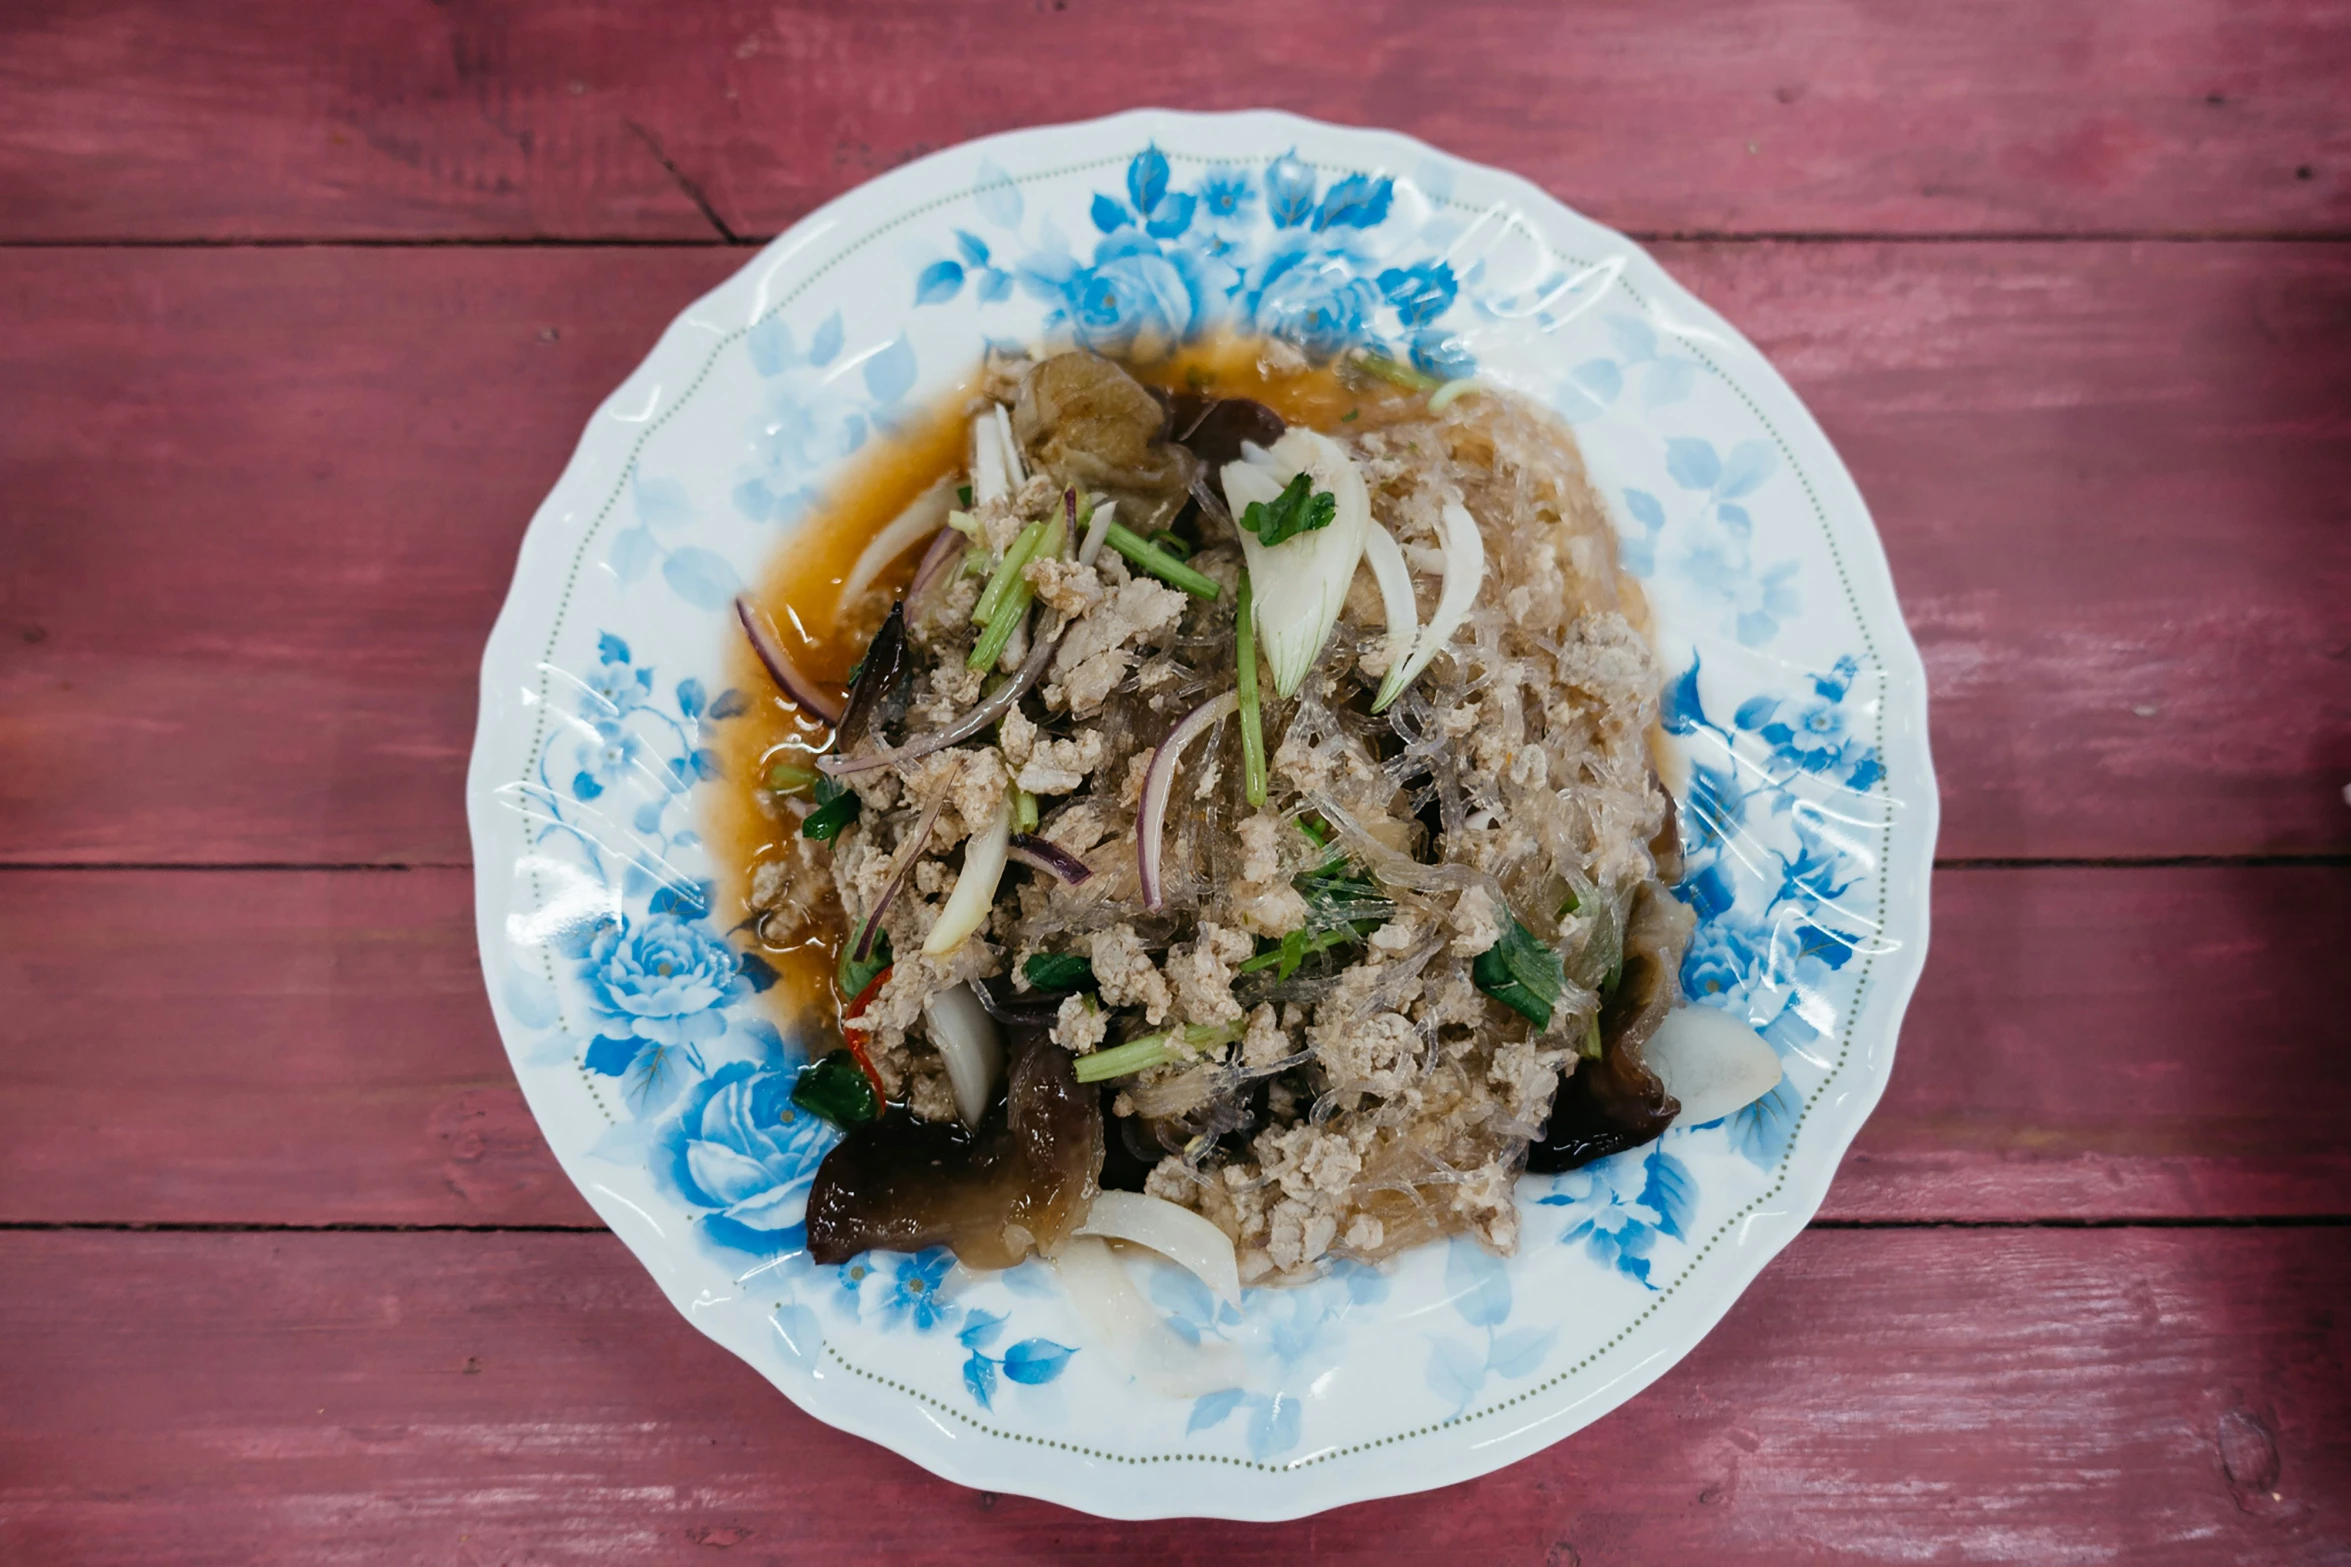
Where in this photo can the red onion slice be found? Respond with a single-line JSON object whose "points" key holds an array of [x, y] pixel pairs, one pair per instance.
{"points": [[1159, 783], [943, 549], [907, 855], [1040, 653], [1043, 854], [803, 691]]}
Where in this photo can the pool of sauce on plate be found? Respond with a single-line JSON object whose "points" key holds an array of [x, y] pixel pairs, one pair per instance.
{"points": [[802, 592]]}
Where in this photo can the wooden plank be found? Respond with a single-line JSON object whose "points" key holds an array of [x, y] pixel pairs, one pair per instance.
{"points": [[313, 1048], [2153, 1397], [2106, 474], [590, 119]]}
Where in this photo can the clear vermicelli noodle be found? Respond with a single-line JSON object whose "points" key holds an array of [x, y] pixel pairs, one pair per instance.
{"points": [[1302, 846]]}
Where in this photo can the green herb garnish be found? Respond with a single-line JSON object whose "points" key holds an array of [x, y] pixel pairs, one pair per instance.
{"points": [[836, 807], [1521, 973], [1397, 373], [1252, 722], [1059, 971], [963, 496], [853, 976], [1349, 416], [1592, 1047], [1300, 508], [834, 1086], [1024, 811], [1174, 543], [1006, 576]]}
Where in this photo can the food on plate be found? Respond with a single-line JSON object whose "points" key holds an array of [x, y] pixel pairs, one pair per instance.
{"points": [[1236, 832]]}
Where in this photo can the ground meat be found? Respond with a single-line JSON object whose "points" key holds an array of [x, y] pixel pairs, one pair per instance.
{"points": [[1127, 977], [1366, 1093]]}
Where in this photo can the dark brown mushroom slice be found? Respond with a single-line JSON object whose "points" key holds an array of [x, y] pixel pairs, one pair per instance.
{"points": [[879, 675], [1213, 428], [1616, 1102], [1021, 1182]]}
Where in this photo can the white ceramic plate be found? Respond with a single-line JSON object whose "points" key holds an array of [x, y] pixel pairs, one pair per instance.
{"points": [[1796, 701]]}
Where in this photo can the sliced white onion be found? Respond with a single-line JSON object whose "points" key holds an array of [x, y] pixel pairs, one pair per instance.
{"points": [[975, 889], [1711, 1062], [1465, 570], [989, 480], [1301, 583], [969, 1046], [923, 516], [1386, 560], [1178, 1234], [1014, 469], [1159, 782], [1097, 530], [1130, 1332]]}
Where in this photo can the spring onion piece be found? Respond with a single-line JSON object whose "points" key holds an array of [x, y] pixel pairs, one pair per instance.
{"points": [[1395, 579], [1097, 519], [787, 675], [1131, 1333], [1450, 393], [1000, 581], [1043, 854], [1140, 1055], [975, 889], [1465, 569], [1178, 1234], [1159, 783], [923, 516], [1151, 558], [1245, 689], [997, 634], [995, 707], [1300, 584], [990, 480], [791, 778], [1024, 811], [969, 1047], [1710, 1061], [1173, 543], [1396, 373], [908, 853]]}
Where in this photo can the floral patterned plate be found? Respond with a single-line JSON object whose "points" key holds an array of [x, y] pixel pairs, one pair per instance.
{"points": [[1796, 710]]}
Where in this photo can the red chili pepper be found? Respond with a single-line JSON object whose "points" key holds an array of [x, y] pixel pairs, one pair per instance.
{"points": [[855, 1037]]}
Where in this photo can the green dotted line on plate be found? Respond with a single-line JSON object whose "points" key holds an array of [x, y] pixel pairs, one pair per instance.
{"points": [[1883, 788]]}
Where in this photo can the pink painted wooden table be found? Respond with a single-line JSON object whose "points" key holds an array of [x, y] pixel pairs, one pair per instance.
{"points": [[302, 307]]}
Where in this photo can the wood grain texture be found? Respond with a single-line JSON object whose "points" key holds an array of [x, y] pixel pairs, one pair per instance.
{"points": [[1956, 1396], [591, 119], [266, 504], [313, 1048]]}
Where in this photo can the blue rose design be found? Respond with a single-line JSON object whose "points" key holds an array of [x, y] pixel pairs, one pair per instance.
{"points": [[914, 1291], [741, 1148], [662, 980], [1314, 298]]}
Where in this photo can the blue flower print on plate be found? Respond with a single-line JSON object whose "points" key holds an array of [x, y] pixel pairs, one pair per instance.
{"points": [[651, 1039]]}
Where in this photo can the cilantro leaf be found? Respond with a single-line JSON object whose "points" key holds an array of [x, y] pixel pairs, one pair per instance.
{"points": [[1300, 508], [835, 1087], [1059, 971], [854, 976], [1521, 973], [836, 808]]}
